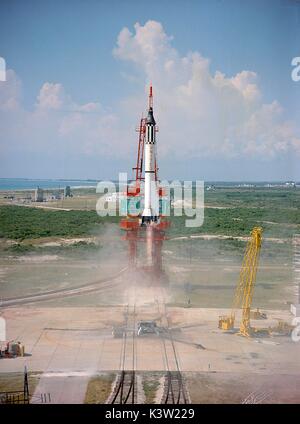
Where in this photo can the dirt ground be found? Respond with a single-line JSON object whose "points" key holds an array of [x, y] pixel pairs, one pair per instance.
{"points": [[235, 388]]}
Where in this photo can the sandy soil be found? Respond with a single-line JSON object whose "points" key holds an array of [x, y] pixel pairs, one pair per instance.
{"points": [[236, 388], [223, 237], [37, 258]]}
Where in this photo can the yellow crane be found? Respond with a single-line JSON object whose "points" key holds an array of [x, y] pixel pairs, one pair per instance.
{"points": [[245, 287]]}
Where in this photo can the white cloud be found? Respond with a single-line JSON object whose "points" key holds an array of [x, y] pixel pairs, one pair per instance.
{"points": [[202, 114], [145, 47], [10, 92], [51, 96], [245, 83], [56, 124], [265, 133]]}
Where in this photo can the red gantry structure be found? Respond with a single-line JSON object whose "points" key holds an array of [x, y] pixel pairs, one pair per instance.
{"points": [[145, 226]]}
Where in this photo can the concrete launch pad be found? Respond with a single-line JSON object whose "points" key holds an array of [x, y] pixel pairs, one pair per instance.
{"points": [[80, 340]]}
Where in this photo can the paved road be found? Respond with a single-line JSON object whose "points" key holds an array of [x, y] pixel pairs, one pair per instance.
{"points": [[62, 387]]}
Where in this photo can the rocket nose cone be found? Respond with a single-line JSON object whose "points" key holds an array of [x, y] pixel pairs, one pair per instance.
{"points": [[150, 118]]}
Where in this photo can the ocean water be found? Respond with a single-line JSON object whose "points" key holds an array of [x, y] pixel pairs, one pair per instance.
{"points": [[28, 184], [31, 184]]}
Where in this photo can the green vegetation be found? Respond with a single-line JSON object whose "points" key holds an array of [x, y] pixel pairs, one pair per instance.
{"points": [[19, 223], [150, 387], [230, 211], [258, 197], [235, 211], [239, 221], [10, 382], [99, 389], [19, 248], [73, 249]]}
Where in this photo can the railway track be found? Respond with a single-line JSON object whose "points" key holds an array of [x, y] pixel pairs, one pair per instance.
{"points": [[125, 387], [125, 391], [174, 392], [174, 387]]}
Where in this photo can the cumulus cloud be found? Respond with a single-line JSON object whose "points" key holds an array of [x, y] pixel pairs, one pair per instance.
{"points": [[201, 113], [51, 96], [56, 123], [10, 92], [144, 47]]}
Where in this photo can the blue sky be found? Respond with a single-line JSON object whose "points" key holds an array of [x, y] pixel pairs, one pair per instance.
{"points": [[70, 44]]}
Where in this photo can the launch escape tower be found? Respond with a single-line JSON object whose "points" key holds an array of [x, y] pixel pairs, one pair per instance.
{"points": [[148, 225]]}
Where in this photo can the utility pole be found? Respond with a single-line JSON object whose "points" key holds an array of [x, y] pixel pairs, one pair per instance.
{"points": [[26, 386]]}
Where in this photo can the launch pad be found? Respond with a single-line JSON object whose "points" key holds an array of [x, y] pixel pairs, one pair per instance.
{"points": [[80, 329]]}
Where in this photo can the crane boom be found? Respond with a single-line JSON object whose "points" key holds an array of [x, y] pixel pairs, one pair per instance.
{"points": [[245, 286]]}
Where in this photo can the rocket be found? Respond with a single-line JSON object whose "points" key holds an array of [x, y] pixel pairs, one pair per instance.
{"points": [[150, 214], [149, 224]]}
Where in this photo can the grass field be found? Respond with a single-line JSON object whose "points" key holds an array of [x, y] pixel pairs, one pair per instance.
{"points": [[99, 389], [231, 212], [18, 222], [14, 382], [150, 387], [44, 249]]}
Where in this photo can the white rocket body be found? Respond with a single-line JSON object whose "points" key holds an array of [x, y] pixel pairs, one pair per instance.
{"points": [[151, 205]]}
